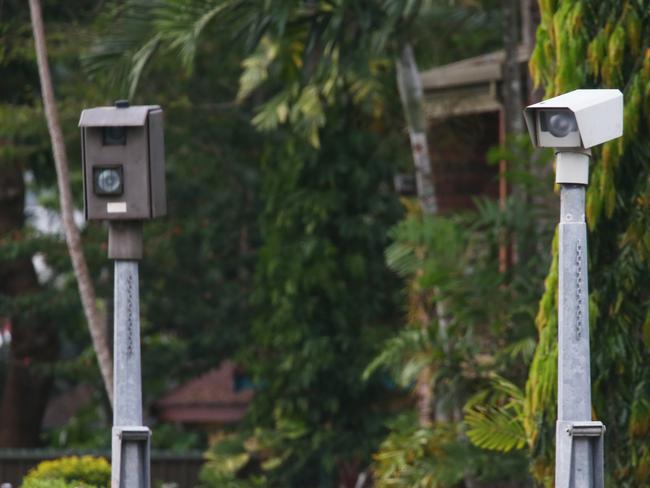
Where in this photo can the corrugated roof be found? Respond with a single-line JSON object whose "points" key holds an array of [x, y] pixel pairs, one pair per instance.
{"points": [[479, 69], [115, 117]]}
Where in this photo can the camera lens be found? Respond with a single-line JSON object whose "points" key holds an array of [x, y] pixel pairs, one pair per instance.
{"points": [[561, 123], [108, 181], [114, 136]]}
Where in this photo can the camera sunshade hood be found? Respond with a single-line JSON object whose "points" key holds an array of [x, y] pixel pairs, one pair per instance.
{"points": [[598, 112], [116, 116]]}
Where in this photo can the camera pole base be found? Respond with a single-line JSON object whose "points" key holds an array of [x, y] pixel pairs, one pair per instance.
{"points": [[580, 454], [131, 457]]}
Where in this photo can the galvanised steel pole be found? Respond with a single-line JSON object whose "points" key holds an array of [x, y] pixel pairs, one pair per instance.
{"points": [[128, 382], [579, 441], [130, 440]]}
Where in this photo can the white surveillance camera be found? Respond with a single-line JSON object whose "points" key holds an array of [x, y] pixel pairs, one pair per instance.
{"points": [[579, 119]]}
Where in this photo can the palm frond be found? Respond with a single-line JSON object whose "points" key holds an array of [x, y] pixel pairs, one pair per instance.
{"points": [[140, 60], [405, 355], [181, 22], [492, 428], [256, 68], [129, 33], [494, 417], [137, 29]]}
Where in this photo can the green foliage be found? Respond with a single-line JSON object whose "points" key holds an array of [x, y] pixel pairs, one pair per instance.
{"points": [[583, 44], [68, 472], [438, 457], [55, 483], [420, 457], [494, 417], [85, 429], [247, 459], [323, 294], [404, 356], [439, 239], [428, 250], [488, 341]]}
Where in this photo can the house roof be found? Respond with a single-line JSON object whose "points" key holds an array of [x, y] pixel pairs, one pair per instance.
{"points": [[467, 86], [479, 69], [211, 398]]}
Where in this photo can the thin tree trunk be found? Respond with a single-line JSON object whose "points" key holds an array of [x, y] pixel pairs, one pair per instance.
{"points": [[513, 100], [411, 95], [96, 322], [34, 339], [512, 86], [528, 25], [412, 98]]}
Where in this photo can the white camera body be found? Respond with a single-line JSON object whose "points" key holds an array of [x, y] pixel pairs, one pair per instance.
{"points": [[572, 124], [579, 119]]}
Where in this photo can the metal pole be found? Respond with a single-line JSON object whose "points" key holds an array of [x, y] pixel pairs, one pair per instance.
{"points": [[128, 384], [130, 440], [579, 453], [574, 382]]}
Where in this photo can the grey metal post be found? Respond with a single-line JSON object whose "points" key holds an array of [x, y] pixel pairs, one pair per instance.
{"points": [[130, 439], [579, 440]]}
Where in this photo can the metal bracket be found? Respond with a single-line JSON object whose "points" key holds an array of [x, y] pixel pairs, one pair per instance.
{"points": [[124, 436], [125, 240], [567, 434], [572, 166]]}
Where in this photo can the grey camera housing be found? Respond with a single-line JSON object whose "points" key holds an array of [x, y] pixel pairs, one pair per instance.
{"points": [[598, 115], [130, 141]]}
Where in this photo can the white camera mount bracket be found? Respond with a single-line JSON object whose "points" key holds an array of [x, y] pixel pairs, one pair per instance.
{"points": [[572, 166]]}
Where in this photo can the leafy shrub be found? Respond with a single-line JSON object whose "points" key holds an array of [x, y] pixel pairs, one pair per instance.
{"points": [[54, 483], [70, 472]]}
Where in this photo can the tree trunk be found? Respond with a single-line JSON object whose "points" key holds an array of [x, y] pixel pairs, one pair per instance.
{"points": [[412, 98], [34, 338], [96, 320], [514, 13], [512, 89], [411, 95]]}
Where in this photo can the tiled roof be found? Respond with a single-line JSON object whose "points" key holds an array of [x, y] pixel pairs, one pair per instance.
{"points": [[211, 398]]}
